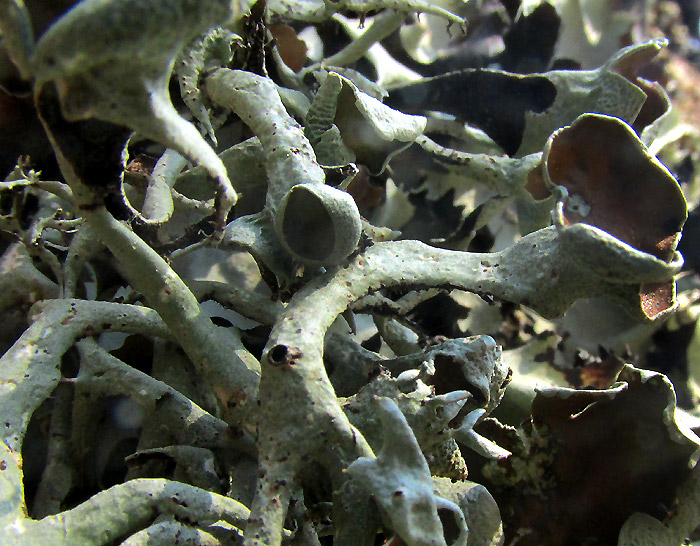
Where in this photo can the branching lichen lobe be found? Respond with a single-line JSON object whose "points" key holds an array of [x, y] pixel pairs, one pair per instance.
{"points": [[237, 383]]}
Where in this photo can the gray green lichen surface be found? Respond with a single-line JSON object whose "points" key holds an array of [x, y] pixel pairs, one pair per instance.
{"points": [[329, 361]]}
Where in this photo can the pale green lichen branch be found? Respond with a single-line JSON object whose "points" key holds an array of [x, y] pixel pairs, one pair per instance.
{"points": [[82, 248], [21, 177], [217, 353], [320, 10], [93, 55], [17, 34], [29, 373], [114, 512], [29, 369], [290, 157], [20, 280], [382, 26], [158, 203], [316, 223], [399, 481], [544, 270], [206, 53], [103, 373], [166, 533], [58, 476], [507, 176]]}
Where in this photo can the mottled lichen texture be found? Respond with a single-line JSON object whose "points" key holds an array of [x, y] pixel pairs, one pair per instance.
{"points": [[344, 273]]}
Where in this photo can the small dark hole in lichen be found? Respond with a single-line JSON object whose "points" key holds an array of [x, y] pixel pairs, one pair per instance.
{"points": [[277, 354]]}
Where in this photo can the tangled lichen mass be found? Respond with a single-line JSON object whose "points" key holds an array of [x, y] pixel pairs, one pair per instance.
{"points": [[349, 273]]}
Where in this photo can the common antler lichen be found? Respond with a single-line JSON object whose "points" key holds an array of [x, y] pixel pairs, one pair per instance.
{"points": [[368, 347]]}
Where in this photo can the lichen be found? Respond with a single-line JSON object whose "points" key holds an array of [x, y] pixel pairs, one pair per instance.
{"points": [[436, 314]]}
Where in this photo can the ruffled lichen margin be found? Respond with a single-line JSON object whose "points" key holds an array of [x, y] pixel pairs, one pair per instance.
{"points": [[101, 73]]}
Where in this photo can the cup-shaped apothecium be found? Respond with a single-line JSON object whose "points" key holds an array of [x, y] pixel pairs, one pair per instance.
{"points": [[611, 182], [318, 224]]}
